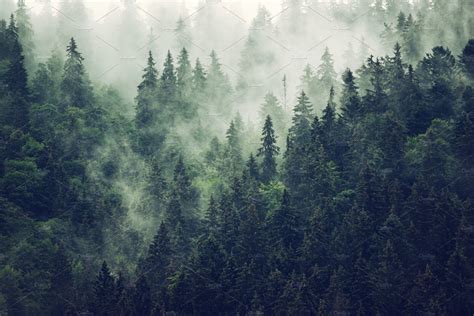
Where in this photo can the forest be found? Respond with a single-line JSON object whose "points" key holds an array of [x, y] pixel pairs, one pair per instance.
{"points": [[211, 174]]}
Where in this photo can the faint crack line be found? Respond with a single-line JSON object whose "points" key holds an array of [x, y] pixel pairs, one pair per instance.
{"points": [[278, 43], [280, 69], [319, 43], [234, 14], [148, 13], [234, 43], [107, 43], [62, 13], [105, 15]]}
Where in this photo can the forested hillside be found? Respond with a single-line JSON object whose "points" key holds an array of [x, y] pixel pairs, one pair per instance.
{"points": [[353, 197]]}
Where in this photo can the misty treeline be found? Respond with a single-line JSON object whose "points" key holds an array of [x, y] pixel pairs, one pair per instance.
{"points": [[358, 201]]}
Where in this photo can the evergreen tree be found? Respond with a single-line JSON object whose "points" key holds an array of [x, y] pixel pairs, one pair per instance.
{"points": [[142, 298], [104, 292], [329, 126], [252, 168], [269, 151], [184, 75], [467, 59], [437, 74], [199, 78], [272, 107], [212, 216], [284, 233], [308, 81], [389, 281], [149, 114], [15, 110], [168, 87], [25, 34], [147, 90], [350, 102], [157, 263], [299, 136], [413, 107], [234, 149], [326, 74], [75, 87]]}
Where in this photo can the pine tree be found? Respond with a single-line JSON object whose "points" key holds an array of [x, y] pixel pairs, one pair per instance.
{"points": [[234, 149], [269, 151], [251, 238], [389, 281], [350, 102], [283, 226], [16, 76], [326, 74], [464, 130], [467, 59], [142, 298], [425, 294], [228, 224], [218, 87], [212, 216], [437, 73], [104, 292], [413, 107], [375, 100], [184, 75], [182, 186], [272, 107], [41, 85], [168, 87], [308, 81], [25, 34], [75, 87], [199, 77], [252, 168], [207, 268], [298, 139], [302, 119], [149, 118], [157, 262], [16, 110], [156, 186], [459, 274], [328, 129]]}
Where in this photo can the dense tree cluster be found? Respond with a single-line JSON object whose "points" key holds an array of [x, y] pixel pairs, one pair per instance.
{"points": [[363, 208]]}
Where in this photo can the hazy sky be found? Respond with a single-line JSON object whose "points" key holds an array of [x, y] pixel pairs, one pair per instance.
{"points": [[246, 9]]}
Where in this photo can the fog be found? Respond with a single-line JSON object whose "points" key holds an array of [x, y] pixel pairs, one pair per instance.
{"points": [[267, 46], [115, 37]]}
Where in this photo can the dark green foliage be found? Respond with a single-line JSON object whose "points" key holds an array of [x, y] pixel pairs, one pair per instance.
{"points": [[368, 212], [467, 59], [75, 85], [350, 102], [104, 292], [268, 151]]}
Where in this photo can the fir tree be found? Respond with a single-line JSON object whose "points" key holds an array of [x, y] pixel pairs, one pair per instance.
{"points": [[168, 87], [25, 34], [142, 298], [350, 102], [75, 86], [269, 151], [467, 59], [325, 73], [184, 75], [199, 77], [104, 292], [234, 149], [252, 168], [157, 263]]}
